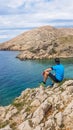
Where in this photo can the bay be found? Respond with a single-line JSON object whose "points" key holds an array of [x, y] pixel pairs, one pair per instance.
{"points": [[16, 75]]}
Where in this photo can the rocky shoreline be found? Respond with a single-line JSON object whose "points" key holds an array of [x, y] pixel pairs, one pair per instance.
{"points": [[40, 109], [42, 43], [26, 55]]}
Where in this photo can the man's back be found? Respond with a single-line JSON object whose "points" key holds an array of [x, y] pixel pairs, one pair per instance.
{"points": [[59, 71]]}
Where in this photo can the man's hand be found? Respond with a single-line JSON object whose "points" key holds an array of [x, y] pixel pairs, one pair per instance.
{"points": [[49, 69]]}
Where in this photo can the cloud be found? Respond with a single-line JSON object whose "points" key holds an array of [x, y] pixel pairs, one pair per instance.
{"points": [[15, 3], [27, 14]]}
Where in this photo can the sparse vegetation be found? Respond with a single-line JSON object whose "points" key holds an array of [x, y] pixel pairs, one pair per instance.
{"points": [[52, 51], [13, 125], [3, 124], [31, 123], [50, 113], [18, 105]]}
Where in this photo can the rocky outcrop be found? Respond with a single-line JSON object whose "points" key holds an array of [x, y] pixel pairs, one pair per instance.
{"points": [[41, 43], [40, 109]]}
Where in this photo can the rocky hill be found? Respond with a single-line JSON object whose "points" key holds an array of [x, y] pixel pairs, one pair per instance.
{"points": [[43, 42], [40, 109]]}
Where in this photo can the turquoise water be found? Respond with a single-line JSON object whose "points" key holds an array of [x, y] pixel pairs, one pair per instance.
{"points": [[16, 75]]}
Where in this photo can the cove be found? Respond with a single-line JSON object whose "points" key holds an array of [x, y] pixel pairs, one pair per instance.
{"points": [[16, 75]]}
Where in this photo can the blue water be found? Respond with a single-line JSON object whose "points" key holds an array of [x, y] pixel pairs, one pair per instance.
{"points": [[16, 75]]}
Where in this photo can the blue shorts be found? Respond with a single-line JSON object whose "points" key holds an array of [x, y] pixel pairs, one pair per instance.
{"points": [[53, 78]]}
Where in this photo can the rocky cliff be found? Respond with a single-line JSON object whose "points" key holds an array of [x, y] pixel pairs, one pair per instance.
{"points": [[40, 109], [43, 42]]}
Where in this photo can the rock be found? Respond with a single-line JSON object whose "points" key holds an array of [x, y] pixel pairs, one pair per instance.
{"points": [[68, 109], [49, 123], [25, 126], [2, 112], [25, 92], [24, 115], [59, 119], [26, 55], [6, 128], [40, 112], [67, 83], [38, 128], [65, 96], [68, 116], [43, 42], [41, 96], [10, 113], [70, 90], [30, 116], [56, 99], [35, 103], [38, 116], [40, 109]]}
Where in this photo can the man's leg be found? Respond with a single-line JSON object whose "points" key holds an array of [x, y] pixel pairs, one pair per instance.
{"points": [[45, 75]]}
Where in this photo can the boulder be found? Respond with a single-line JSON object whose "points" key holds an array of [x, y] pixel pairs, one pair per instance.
{"points": [[40, 112]]}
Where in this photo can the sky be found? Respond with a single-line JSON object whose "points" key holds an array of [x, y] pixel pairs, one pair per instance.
{"points": [[18, 16]]}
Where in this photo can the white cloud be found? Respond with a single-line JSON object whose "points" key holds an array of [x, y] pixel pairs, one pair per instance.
{"points": [[30, 13], [15, 3], [11, 3], [3, 36]]}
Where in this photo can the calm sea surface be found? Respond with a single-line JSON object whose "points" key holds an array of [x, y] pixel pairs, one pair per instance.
{"points": [[16, 75]]}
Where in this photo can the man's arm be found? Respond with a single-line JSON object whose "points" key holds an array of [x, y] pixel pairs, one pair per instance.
{"points": [[49, 69]]}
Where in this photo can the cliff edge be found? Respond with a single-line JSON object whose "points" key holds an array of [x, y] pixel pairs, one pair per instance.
{"points": [[40, 109]]}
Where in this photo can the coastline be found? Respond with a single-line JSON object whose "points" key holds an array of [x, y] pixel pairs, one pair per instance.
{"points": [[40, 108], [42, 43]]}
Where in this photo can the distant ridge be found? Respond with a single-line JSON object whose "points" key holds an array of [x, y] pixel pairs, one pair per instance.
{"points": [[43, 42]]}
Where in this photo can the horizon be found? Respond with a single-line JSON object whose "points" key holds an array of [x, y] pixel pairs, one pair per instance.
{"points": [[17, 17], [25, 30]]}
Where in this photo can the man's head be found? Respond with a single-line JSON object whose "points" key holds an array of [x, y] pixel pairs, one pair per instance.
{"points": [[57, 60]]}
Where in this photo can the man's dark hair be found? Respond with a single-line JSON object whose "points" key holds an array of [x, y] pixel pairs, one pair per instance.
{"points": [[57, 60]]}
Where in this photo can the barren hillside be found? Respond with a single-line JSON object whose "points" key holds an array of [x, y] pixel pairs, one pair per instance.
{"points": [[43, 42]]}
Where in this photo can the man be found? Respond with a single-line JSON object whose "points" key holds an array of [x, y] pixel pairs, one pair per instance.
{"points": [[59, 72]]}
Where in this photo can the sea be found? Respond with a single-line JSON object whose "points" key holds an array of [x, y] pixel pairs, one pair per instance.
{"points": [[17, 75]]}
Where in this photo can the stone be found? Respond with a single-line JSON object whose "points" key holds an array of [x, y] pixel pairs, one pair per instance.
{"points": [[48, 123], [2, 112], [70, 89], [24, 115], [6, 128], [68, 109], [59, 118], [67, 83], [38, 116], [41, 96], [35, 103], [10, 113], [38, 128], [41, 109], [25, 126], [40, 112]]}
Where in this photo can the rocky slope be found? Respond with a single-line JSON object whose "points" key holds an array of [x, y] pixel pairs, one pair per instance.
{"points": [[43, 42], [40, 109]]}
